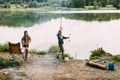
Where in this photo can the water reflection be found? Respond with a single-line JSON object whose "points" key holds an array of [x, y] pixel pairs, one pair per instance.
{"points": [[85, 36], [93, 16], [23, 19], [28, 19]]}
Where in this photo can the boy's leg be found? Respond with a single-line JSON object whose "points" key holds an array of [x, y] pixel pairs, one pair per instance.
{"points": [[62, 50], [63, 55]]}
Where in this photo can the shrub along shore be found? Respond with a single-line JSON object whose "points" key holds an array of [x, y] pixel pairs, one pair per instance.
{"points": [[99, 53], [12, 62]]}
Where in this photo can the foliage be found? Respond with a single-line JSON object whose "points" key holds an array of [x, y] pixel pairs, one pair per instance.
{"points": [[116, 59], [65, 3], [34, 51], [32, 4], [66, 55], [109, 6], [53, 49], [98, 53], [89, 7], [6, 5], [116, 3], [28, 19], [4, 47], [41, 52], [8, 63]]}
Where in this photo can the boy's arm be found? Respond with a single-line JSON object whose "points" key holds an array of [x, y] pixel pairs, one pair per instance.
{"points": [[65, 37]]}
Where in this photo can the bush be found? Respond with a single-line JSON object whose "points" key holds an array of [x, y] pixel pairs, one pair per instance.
{"points": [[109, 6], [53, 49], [4, 47], [6, 5], [34, 51], [66, 55], [30, 4], [96, 54], [41, 52], [89, 7], [8, 63], [116, 59], [33, 4]]}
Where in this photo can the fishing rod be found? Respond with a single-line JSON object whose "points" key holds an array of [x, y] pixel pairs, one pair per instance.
{"points": [[61, 14]]}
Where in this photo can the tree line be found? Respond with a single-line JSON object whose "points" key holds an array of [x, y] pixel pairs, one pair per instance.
{"points": [[64, 3]]}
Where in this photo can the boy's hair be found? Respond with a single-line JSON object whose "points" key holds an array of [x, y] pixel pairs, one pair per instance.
{"points": [[60, 31]]}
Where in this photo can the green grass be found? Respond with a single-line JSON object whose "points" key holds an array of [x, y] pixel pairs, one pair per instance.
{"points": [[116, 59], [16, 6], [34, 51], [105, 8], [89, 7], [97, 54], [101, 54], [4, 63], [66, 55], [12, 6], [4, 47], [53, 49]]}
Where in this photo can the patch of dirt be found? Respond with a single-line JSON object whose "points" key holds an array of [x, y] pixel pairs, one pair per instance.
{"points": [[39, 67]]}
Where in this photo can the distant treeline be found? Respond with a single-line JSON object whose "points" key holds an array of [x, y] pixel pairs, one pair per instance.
{"points": [[64, 3]]}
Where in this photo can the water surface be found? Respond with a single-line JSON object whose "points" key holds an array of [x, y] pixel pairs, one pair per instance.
{"points": [[88, 31]]}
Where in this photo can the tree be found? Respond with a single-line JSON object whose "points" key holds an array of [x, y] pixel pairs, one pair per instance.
{"points": [[116, 3]]}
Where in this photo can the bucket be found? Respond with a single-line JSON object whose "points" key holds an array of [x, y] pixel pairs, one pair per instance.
{"points": [[111, 66]]}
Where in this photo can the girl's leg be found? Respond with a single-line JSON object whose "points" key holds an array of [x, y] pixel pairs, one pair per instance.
{"points": [[26, 53]]}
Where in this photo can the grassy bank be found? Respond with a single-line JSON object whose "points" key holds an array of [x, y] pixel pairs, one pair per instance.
{"points": [[53, 50], [13, 8], [99, 53], [4, 47], [4, 63]]}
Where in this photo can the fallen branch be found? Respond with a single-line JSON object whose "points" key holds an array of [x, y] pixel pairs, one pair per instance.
{"points": [[97, 65]]}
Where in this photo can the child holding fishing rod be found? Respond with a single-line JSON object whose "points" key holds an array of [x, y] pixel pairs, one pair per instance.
{"points": [[61, 42]]}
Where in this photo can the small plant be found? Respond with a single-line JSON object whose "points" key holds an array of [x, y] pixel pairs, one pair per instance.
{"points": [[4, 47], [109, 6], [6, 5], [96, 54], [66, 55], [34, 51], [53, 49], [41, 52], [8, 63], [89, 7], [116, 59]]}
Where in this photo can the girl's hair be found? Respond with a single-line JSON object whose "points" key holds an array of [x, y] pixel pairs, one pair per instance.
{"points": [[25, 34]]}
